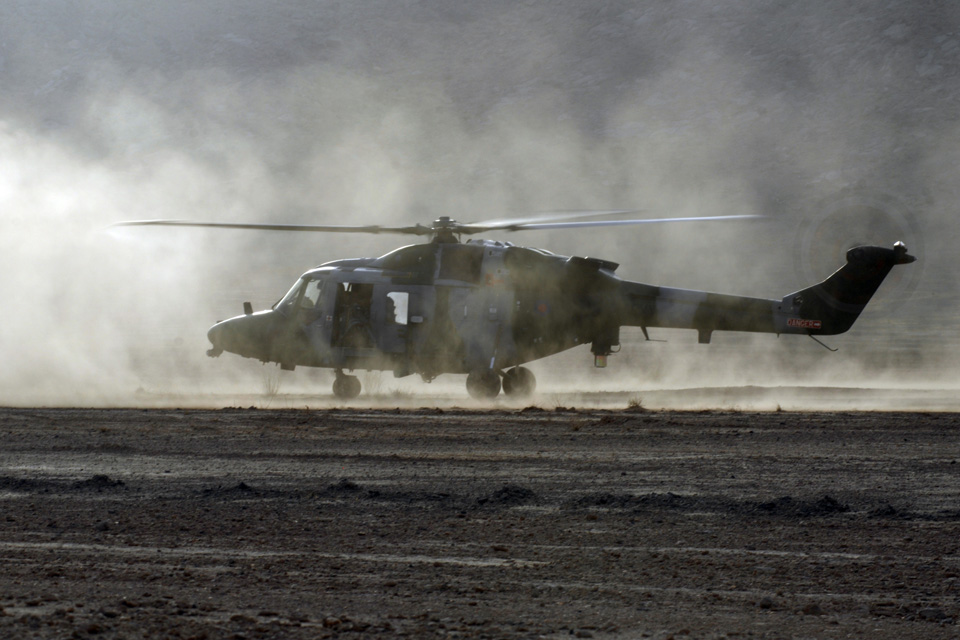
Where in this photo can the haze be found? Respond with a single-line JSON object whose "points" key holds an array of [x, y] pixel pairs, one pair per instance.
{"points": [[836, 120]]}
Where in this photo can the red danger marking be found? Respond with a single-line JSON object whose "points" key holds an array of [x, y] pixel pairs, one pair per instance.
{"points": [[804, 324]]}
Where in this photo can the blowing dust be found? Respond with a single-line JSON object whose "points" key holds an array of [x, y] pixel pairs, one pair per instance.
{"points": [[832, 120]]}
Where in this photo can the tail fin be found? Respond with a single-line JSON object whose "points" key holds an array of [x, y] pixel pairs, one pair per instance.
{"points": [[833, 306]]}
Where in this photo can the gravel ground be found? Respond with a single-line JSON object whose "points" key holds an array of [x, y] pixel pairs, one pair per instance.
{"points": [[488, 524]]}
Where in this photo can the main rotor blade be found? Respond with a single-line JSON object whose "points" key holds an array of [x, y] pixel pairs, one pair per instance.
{"points": [[543, 217], [518, 224], [617, 223], [415, 230]]}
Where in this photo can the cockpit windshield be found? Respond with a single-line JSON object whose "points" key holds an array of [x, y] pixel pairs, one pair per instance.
{"points": [[305, 294], [290, 298]]}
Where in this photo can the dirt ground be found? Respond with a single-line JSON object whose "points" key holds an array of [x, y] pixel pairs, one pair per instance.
{"points": [[448, 523]]}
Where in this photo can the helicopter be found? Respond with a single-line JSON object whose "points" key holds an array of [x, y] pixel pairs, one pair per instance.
{"points": [[485, 307]]}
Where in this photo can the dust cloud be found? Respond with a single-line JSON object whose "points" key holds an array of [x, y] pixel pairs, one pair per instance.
{"points": [[834, 120]]}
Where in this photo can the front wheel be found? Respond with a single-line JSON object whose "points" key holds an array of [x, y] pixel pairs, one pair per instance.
{"points": [[346, 387], [483, 385]]}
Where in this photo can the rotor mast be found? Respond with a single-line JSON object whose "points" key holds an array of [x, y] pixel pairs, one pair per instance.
{"points": [[445, 231]]}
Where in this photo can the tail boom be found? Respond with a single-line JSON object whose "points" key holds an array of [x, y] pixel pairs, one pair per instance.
{"points": [[827, 308]]}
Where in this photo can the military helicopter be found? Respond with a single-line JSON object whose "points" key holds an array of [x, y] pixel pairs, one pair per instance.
{"points": [[484, 308]]}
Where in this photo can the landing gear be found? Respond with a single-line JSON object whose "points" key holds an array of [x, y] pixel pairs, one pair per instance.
{"points": [[346, 387], [483, 385], [519, 382]]}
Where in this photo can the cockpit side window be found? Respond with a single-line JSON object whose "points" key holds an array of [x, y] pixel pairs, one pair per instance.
{"points": [[311, 294]]}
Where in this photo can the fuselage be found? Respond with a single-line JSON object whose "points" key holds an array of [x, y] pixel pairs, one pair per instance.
{"points": [[445, 307], [430, 309]]}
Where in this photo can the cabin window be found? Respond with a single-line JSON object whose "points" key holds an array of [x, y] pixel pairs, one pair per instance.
{"points": [[398, 303]]}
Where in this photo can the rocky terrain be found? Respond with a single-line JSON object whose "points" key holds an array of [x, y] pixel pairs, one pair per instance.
{"points": [[527, 523]]}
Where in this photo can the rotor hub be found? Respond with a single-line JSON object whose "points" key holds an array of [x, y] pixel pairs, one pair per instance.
{"points": [[445, 229]]}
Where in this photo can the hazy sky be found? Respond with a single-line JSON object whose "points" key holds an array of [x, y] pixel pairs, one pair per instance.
{"points": [[386, 111]]}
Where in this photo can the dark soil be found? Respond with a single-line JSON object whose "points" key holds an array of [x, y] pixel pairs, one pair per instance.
{"points": [[461, 524]]}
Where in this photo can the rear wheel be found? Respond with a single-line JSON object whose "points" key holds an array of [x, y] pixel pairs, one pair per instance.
{"points": [[483, 385], [519, 382]]}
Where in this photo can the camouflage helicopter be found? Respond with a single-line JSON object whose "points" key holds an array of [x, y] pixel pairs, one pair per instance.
{"points": [[484, 308]]}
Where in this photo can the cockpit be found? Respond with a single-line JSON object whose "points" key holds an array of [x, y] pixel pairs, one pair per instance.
{"points": [[304, 294]]}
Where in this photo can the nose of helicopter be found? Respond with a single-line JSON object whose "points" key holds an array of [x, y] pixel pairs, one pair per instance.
{"points": [[216, 337], [240, 335], [256, 335]]}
